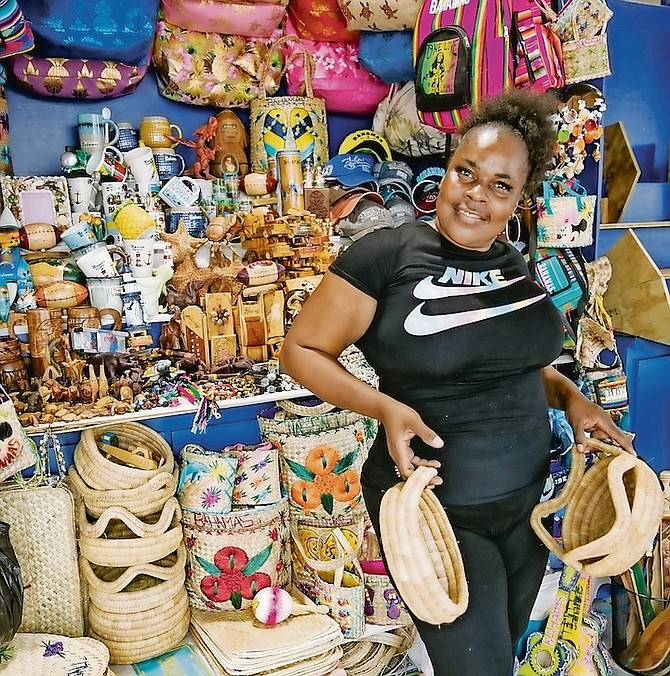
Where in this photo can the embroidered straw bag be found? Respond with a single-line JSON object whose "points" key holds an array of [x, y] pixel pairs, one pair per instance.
{"points": [[43, 533], [422, 551], [612, 512], [322, 452]]}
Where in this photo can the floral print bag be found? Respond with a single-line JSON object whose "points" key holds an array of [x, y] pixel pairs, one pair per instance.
{"points": [[215, 69], [321, 456]]}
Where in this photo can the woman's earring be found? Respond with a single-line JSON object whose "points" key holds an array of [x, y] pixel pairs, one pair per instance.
{"points": [[513, 231]]}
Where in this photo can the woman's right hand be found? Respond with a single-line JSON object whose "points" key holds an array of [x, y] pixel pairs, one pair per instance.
{"points": [[402, 424]]}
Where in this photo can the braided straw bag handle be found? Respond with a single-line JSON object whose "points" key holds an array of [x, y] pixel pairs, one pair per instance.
{"points": [[295, 408], [309, 67], [625, 540]]}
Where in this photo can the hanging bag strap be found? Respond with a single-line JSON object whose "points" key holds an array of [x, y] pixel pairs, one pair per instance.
{"points": [[309, 67]]}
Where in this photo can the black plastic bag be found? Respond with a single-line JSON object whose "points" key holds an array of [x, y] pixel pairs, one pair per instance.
{"points": [[11, 588]]}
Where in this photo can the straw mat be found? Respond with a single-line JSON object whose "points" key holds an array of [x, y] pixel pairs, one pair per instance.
{"points": [[422, 551], [241, 645], [612, 512]]}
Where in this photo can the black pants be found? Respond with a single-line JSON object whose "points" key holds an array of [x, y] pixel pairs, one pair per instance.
{"points": [[504, 565]]}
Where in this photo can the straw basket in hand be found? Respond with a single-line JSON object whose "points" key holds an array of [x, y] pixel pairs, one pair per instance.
{"points": [[612, 512], [421, 550]]}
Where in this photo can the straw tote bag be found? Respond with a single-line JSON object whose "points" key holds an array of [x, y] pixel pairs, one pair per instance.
{"points": [[285, 122], [43, 534], [322, 453]]}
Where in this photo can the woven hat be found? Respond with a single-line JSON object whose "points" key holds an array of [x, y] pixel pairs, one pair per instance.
{"points": [[612, 512], [422, 551]]}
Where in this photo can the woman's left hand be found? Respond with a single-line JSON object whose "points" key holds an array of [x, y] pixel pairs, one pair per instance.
{"points": [[585, 416]]}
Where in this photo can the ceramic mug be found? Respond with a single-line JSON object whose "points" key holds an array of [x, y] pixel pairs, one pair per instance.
{"points": [[90, 317], [106, 292], [141, 162], [168, 163], [127, 137], [80, 190], [180, 191], [109, 163], [140, 254], [95, 260], [193, 217], [96, 131], [79, 236], [154, 130]]}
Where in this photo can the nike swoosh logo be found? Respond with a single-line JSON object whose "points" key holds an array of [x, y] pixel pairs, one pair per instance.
{"points": [[419, 324], [426, 289]]}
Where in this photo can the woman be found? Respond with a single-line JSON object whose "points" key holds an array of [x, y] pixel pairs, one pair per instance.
{"points": [[462, 340]]}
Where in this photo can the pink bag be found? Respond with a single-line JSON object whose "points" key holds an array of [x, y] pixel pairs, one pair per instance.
{"points": [[75, 78], [243, 17], [339, 78]]}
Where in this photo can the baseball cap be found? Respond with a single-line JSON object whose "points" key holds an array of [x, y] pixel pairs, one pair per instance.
{"points": [[350, 169], [366, 141], [366, 217], [401, 211], [394, 172], [342, 202], [424, 196]]}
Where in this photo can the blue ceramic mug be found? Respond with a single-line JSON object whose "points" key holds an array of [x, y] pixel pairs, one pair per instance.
{"points": [[127, 137], [193, 217], [168, 163]]}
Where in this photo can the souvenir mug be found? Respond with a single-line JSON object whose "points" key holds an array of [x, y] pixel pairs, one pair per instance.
{"points": [[44, 325], [127, 137], [154, 130], [140, 254], [78, 236], [193, 217], [80, 189], [168, 163], [95, 260], [109, 163], [105, 292], [180, 191], [90, 317], [96, 131], [141, 162], [12, 365]]}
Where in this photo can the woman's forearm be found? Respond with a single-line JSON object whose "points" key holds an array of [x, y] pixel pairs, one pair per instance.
{"points": [[558, 388]]}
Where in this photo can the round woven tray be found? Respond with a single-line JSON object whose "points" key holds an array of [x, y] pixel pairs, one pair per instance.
{"points": [[99, 472], [120, 539], [142, 501], [612, 512], [135, 650], [421, 550], [139, 587], [371, 656]]}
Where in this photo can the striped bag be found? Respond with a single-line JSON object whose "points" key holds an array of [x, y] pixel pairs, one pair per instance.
{"points": [[463, 52]]}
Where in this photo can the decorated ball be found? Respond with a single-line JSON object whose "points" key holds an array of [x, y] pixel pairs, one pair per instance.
{"points": [[262, 271], [272, 605], [37, 236], [61, 295]]}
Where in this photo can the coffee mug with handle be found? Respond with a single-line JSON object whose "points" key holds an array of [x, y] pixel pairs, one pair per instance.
{"points": [[155, 129], [168, 163], [96, 131], [109, 163]]}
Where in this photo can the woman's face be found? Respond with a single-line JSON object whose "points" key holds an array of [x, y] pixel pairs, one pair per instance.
{"points": [[482, 186]]}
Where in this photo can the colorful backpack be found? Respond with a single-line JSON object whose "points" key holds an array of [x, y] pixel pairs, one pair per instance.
{"points": [[463, 51]]}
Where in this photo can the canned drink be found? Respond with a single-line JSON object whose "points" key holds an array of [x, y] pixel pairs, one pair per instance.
{"points": [[289, 169]]}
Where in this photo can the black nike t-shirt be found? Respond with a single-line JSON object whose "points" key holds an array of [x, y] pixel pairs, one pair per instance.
{"points": [[460, 336]]}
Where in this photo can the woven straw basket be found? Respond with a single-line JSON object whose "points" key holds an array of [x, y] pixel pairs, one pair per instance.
{"points": [[142, 501], [138, 587], [120, 539], [127, 650], [99, 472], [371, 656], [421, 550], [612, 512]]}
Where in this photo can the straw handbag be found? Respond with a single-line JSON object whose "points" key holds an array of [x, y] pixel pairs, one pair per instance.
{"points": [[383, 604], [422, 551], [231, 556], [283, 122], [612, 512], [322, 452], [43, 534], [337, 583]]}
